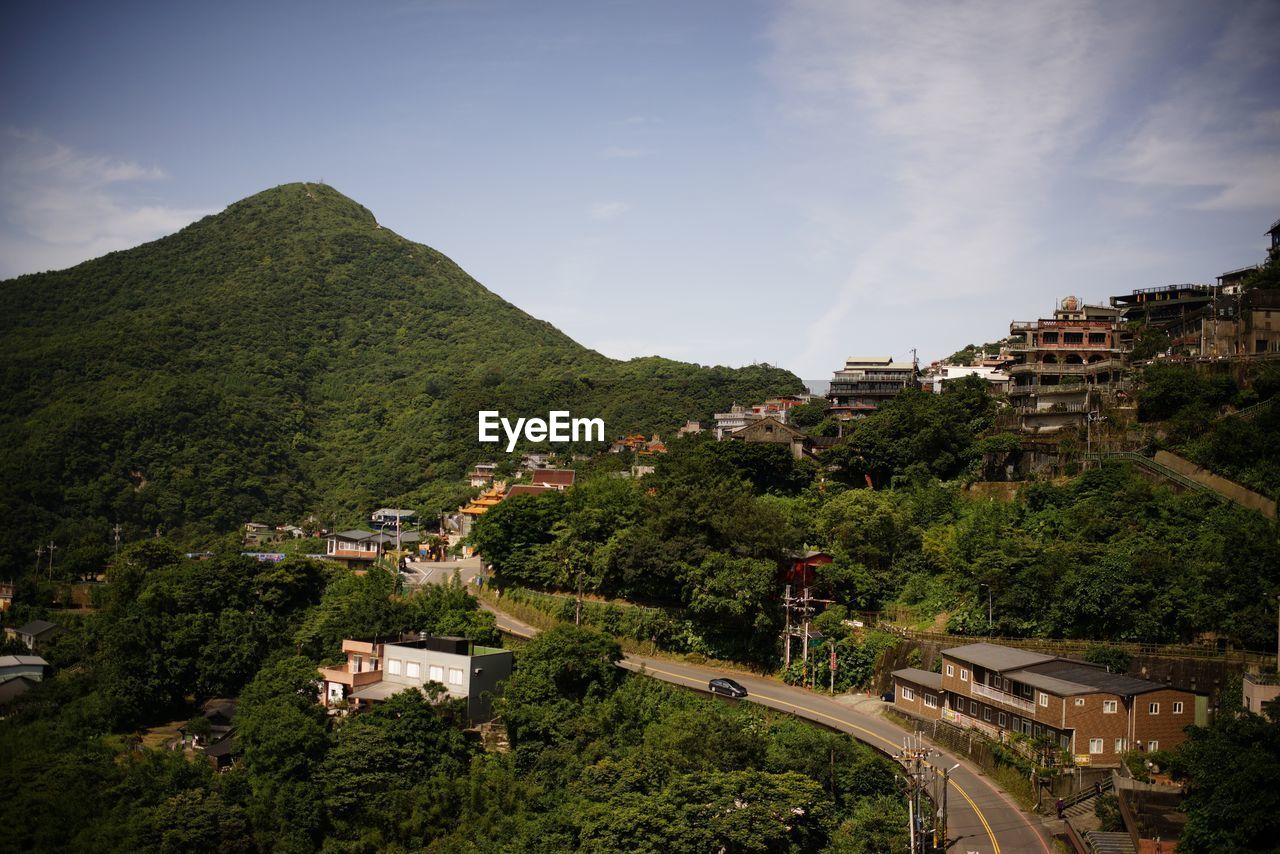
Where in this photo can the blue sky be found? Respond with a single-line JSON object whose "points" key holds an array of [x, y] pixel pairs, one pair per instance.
{"points": [[720, 182]]}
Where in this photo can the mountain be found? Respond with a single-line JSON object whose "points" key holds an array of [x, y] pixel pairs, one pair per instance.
{"points": [[286, 356]]}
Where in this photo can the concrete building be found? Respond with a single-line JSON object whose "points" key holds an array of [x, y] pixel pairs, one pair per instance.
{"points": [[865, 382], [1243, 324], [482, 474], [1070, 705], [34, 634], [1062, 362], [375, 671], [1259, 691], [997, 378]]}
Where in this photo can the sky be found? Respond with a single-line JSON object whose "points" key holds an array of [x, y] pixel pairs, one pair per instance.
{"points": [[722, 182]]}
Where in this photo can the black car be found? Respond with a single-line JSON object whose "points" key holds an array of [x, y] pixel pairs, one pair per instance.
{"points": [[727, 687]]}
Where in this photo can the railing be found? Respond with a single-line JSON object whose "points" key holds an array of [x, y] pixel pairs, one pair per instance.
{"points": [[1153, 467], [1003, 697], [340, 674]]}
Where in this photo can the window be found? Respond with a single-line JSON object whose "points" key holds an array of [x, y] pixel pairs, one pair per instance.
{"points": [[973, 708], [435, 673], [1002, 719], [455, 676], [1153, 746], [1177, 707], [1073, 337], [1044, 699], [1079, 701], [1119, 745], [986, 713], [413, 670], [393, 666], [356, 664], [1108, 707], [964, 675], [373, 664], [930, 701], [951, 671], [1153, 709], [1095, 745], [908, 693], [1037, 730], [1049, 338]]}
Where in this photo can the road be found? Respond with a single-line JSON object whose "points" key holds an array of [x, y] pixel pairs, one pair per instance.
{"points": [[422, 572], [982, 818]]}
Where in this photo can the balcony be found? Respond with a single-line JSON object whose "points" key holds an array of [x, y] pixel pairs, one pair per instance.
{"points": [[1003, 698], [340, 674]]}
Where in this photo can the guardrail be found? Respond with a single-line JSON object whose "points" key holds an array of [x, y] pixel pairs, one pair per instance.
{"points": [[1003, 697]]}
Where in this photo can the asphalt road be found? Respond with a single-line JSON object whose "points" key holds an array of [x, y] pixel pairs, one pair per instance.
{"points": [[982, 818], [422, 572]]}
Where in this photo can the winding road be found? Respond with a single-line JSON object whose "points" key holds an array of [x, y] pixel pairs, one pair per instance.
{"points": [[982, 818]]}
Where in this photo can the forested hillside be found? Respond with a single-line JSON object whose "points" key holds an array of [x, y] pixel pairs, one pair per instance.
{"points": [[286, 356]]}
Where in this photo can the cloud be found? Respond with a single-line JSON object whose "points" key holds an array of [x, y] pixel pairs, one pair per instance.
{"points": [[605, 211], [1216, 129], [974, 109], [60, 206]]}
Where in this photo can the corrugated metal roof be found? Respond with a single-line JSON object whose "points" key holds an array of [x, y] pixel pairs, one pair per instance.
{"points": [[998, 658], [1091, 678], [920, 677]]}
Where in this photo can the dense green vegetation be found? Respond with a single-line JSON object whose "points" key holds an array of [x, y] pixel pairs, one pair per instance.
{"points": [[283, 358], [1107, 556], [1193, 403], [599, 761]]}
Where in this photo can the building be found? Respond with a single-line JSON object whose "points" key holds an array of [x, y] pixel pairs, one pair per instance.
{"points": [[1273, 251], [375, 671], [690, 428], [392, 516], [19, 674], [1060, 363], [1259, 691], [997, 378], [7, 591], [735, 419], [1246, 323], [918, 692], [355, 549], [1176, 310], [34, 634], [475, 508], [559, 479], [801, 571], [866, 382], [1070, 705], [770, 430], [482, 474]]}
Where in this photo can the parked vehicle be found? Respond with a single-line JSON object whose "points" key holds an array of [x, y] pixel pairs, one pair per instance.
{"points": [[727, 687]]}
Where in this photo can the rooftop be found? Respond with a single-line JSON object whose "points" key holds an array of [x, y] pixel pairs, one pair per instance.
{"points": [[998, 658], [926, 678], [22, 661]]}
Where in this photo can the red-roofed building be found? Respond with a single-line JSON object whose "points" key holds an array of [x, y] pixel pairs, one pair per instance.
{"points": [[560, 479], [527, 489], [802, 567]]}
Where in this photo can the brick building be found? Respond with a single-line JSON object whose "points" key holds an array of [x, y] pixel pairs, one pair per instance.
{"points": [[1079, 707]]}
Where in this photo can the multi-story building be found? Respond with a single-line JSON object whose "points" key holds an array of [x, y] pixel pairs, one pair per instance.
{"points": [[374, 671], [482, 474], [865, 382], [1072, 705], [1059, 362], [1244, 324]]}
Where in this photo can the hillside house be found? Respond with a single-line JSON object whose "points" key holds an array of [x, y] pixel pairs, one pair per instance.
{"points": [[482, 475], [1060, 362], [19, 674], [34, 634], [374, 671], [355, 549], [866, 382], [770, 430], [1076, 706]]}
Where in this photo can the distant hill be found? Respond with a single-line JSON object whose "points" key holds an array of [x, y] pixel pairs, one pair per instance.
{"points": [[288, 355]]}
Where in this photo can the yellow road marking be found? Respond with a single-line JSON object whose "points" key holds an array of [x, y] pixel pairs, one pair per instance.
{"points": [[995, 845]]}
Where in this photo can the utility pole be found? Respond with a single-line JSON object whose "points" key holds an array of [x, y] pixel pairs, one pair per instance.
{"points": [[51, 548], [115, 532], [39, 554]]}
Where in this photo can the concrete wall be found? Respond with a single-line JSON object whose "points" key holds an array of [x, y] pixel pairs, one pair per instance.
{"points": [[1227, 488]]}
